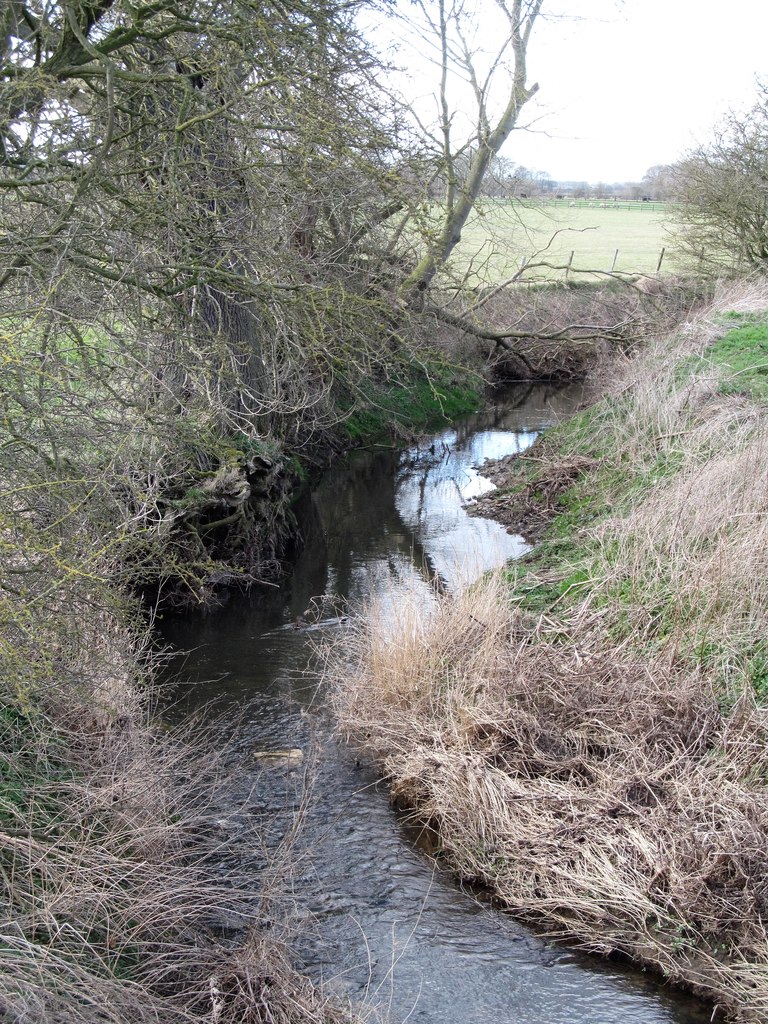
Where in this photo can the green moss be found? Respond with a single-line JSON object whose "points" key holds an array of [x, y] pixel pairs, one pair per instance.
{"points": [[295, 467], [265, 447], [193, 496]]}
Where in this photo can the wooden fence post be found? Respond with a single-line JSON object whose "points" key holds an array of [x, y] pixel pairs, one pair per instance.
{"points": [[661, 257], [615, 257]]}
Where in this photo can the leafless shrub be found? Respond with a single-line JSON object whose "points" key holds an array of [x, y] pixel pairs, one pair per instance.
{"points": [[594, 322]]}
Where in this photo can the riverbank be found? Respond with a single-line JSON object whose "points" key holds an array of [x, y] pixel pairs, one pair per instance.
{"points": [[101, 809], [124, 897], [124, 894], [586, 734]]}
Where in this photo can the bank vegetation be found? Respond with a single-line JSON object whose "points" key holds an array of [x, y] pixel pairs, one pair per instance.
{"points": [[584, 734]]}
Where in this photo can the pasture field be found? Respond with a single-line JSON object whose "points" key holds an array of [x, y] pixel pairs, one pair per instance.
{"points": [[501, 233]]}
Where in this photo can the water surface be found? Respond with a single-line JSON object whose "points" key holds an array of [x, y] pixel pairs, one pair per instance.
{"points": [[376, 921]]}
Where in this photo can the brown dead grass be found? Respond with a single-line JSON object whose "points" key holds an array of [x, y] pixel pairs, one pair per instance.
{"points": [[690, 554], [122, 898], [126, 906], [601, 320], [532, 486], [609, 797]]}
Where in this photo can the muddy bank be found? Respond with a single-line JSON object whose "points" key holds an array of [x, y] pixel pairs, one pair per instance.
{"points": [[587, 737], [229, 519], [528, 490], [230, 526]]}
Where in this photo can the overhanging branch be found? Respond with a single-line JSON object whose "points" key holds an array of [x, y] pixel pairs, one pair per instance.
{"points": [[502, 337]]}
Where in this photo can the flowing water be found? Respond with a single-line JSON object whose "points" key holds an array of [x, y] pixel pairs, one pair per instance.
{"points": [[375, 919]]}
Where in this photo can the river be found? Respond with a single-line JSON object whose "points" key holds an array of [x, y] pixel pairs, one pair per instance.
{"points": [[373, 918]]}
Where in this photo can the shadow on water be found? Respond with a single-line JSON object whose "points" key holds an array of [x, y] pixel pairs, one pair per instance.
{"points": [[375, 921]]}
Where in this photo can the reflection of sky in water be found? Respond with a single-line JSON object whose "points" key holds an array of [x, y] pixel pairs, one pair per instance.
{"points": [[381, 580], [433, 488], [398, 520]]}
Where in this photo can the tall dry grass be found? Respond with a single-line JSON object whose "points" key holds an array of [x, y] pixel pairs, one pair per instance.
{"points": [[606, 795], [684, 566], [126, 906]]}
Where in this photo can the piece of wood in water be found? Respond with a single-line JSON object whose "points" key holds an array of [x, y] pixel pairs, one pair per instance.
{"points": [[292, 755]]}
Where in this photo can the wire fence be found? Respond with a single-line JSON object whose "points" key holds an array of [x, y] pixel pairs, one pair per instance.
{"points": [[571, 266], [641, 205]]}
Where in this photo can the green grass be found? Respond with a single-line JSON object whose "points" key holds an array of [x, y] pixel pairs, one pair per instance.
{"points": [[30, 761], [501, 233], [743, 354], [641, 605], [384, 409]]}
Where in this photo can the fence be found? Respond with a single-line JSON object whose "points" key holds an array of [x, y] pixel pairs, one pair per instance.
{"points": [[594, 265], [641, 205]]}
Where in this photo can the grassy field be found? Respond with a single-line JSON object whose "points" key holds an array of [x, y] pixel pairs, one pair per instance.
{"points": [[501, 233]]}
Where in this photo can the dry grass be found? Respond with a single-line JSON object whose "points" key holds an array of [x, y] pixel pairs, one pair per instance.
{"points": [[596, 321], [122, 897], [528, 508], [684, 566], [603, 766], [121, 907], [607, 796], [697, 548]]}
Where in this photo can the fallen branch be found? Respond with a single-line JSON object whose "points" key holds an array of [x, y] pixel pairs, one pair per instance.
{"points": [[571, 332]]}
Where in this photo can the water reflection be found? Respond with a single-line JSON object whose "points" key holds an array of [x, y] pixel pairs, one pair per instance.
{"points": [[376, 922], [433, 488]]}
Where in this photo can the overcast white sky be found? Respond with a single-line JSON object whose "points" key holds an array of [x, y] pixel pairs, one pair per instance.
{"points": [[625, 84]]}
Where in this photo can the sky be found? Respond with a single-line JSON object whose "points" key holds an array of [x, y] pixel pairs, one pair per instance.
{"points": [[623, 84]]}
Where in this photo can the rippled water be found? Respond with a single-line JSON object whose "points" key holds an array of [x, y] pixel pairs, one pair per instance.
{"points": [[376, 921]]}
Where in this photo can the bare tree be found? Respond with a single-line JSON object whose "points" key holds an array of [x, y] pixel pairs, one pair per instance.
{"points": [[659, 181], [722, 189], [480, 98], [191, 197], [208, 172], [446, 21]]}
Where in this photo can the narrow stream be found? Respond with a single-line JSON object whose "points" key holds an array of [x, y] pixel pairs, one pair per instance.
{"points": [[376, 922]]}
